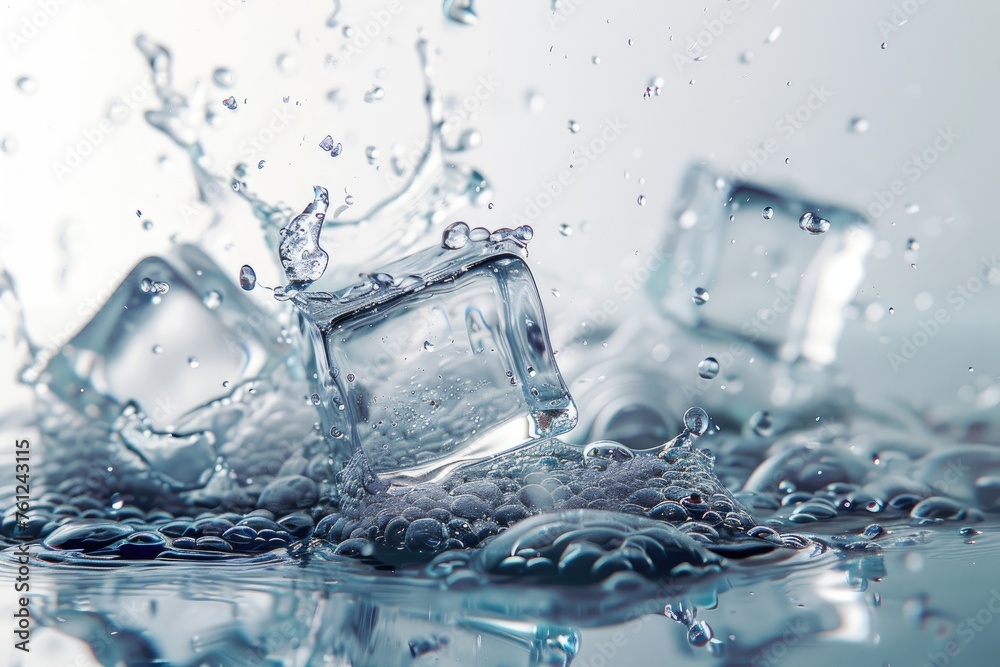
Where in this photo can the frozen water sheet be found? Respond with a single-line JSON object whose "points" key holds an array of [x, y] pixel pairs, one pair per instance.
{"points": [[440, 359]]}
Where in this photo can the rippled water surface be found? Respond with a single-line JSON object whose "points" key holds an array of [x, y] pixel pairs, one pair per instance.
{"points": [[531, 369]]}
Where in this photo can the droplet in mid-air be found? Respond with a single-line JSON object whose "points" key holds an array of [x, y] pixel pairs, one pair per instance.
{"points": [[260, 165], [229, 103], [224, 78], [574, 126], [248, 277], [812, 223], [428, 346], [700, 296], [212, 299], [912, 244], [708, 368], [859, 125], [761, 424], [768, 213], [565, 229], [193, 362], [641, 201]]}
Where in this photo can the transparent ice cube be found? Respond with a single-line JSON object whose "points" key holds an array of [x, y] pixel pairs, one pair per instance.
{"points": [[440, 359], [169, 351]]}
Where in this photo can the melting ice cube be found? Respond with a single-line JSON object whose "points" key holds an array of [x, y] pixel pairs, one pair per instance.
{"points": [[486, 383]]}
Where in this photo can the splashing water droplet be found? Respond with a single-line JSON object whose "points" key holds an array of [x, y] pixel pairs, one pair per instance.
{"points": [[248, 277], [455, 236], [574, 126], [536, 103], [859, 125], [302, 257], [812, 223], [117, 502], [212, 299], [761, 424], [565, 230], [700, 296], [768, 213], [708, 368], [696, 421]]}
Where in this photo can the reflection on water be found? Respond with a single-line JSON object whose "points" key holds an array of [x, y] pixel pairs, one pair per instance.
{"points": [[327, 494]]}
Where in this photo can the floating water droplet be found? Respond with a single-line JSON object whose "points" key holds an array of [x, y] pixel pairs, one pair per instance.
{"points": [[761, 424], [157, 349], [565, 230], [536, 103], [746, 57], [641, 201], [892, 311], [374, 95], [428, 346], [971, 369], [229, 102], [301, 256], [700, 634], [248, 277], [224, 78], [696, 421], [490, 206], [371, 153], [884, 46], [912, 244], [574, 126], [193, 362], [555, 292], [455, 236], [260, 165], [701, 296], [596, 60], [812, 223], [116, 501], [708, 368], [27, 85], [350, 377], [859, 125], [147, 224], [768, 213], [212, 299], [286, 63]]}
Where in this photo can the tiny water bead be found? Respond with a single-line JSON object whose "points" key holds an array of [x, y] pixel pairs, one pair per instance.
{"points": [[761, 424], [260, 165], [812, 223], [334, 149], [768, 213], [574, 126], [859, 125], [565, 230], [700, 296], [224, 78], [212, 299], [912, 245], [374, 95], [230, 103], [248, 277], [428, 346], [708, 368], [193, 362], [641, 201]]}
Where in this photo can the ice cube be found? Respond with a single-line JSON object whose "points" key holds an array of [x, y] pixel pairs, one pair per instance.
{"points": [[440, 359], [169, 352]]}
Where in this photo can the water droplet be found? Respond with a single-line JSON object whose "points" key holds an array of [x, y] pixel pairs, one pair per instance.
{"points": [[374, 95], [641, 201], [116, 501], [596, 60], [696, 421], [812, 223], [428, 346], [157, 349], [912, 244], [555, 292], [574, 126], [859, 125], [286, 63], [328, 145], [788, 160], [193, 362], [224, 78], [350, 377], [912, 208], [773, 35], [490, 206], [606, 451], [768, 213], [971, 369], [248, 277], [565, 230], [700, 634], [260, 165], [892, 311], [761, 423], [212, 299], [536, 103], [229, 102], [27, 85], [147, 224], [371, 153], [708, 368], [884, 46], [701, 296], [746, 57], [455, 236]]}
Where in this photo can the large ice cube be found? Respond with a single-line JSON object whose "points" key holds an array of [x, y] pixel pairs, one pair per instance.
{"points": [[168, 351], [440, 359]]}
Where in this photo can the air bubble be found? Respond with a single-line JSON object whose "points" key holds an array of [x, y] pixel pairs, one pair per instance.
{"points": [[708, 368]]}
